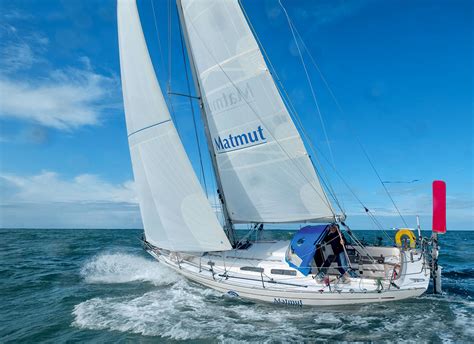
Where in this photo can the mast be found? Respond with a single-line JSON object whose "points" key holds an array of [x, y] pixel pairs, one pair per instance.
{"points": [[228, 226]]}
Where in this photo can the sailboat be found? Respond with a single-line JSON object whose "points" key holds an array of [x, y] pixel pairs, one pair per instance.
{"points": [[263, 172]]}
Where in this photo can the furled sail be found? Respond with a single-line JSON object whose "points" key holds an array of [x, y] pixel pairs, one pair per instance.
{"points": [[175, 212], [265, 171]]}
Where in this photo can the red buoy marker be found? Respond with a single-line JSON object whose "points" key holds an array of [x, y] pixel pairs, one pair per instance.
{"points": [[439, 206]]}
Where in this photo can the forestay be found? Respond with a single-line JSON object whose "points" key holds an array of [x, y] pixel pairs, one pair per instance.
{"points": [[266, 173], [176, 215]]}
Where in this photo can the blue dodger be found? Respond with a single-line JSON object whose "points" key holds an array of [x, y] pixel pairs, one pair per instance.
{"points": [[303, 247]]}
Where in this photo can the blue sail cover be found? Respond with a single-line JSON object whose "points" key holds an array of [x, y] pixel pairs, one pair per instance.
{"points": [[302, 248]]}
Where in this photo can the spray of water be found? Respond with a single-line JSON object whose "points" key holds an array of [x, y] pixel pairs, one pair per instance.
{"points": [[181, 310]]}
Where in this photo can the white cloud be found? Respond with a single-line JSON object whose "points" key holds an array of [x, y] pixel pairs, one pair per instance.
{"points": [[48, 200], [62, 98], [20, 51], [14, 14], [16, 56], [67, 99], [49, 187]]}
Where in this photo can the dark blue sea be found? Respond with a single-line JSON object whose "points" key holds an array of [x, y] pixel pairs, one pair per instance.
{"points": [[86, 285]]}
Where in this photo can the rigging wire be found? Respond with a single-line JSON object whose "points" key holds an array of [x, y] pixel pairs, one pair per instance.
{"points": [[313, 93], [313, 61], [169, 62], [168, 87], [192, 111], [294, 114], [169, 46], [343, 113], [324, 175], [292, 109], [384, 186], [366, 209], [157, 34], [400, 181], [170, 100]]}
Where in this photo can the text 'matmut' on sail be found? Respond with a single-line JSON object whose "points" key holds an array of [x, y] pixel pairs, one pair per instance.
{"points": [[264, 168]]}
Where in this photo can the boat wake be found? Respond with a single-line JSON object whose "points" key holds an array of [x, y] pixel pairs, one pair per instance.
{"points": [[177, 309], [125, 268]]}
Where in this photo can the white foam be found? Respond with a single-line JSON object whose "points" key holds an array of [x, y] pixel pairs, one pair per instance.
{"points": [[327, 318], [124, 268], [185, 311], [329, 331], [464, 319]]}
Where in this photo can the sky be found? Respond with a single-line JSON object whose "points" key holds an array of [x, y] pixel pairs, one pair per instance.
{"points": [[401, 73]]}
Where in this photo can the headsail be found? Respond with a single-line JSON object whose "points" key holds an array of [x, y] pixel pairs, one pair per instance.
{"points": [[176, 214], [265, 170]]}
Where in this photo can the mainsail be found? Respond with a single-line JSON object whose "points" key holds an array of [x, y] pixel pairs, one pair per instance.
{"points": [[264, 168], [175, 212]]}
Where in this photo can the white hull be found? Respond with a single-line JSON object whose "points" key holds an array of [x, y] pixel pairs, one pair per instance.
{"points": [[226, 276], [272, 181]]}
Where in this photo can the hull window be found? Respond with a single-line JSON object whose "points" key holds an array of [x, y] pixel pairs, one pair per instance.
{"points": [[251, 268], [283, 272]]}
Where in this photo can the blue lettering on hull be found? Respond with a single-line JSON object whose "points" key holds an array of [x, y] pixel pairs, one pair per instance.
{"points": [[244, 140]]}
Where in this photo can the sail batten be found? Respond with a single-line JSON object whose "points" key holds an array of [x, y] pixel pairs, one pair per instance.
{"points": [[175, 212], [265, 171]]}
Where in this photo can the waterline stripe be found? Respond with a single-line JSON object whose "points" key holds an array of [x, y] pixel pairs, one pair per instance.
{"points": [[150, 126]]}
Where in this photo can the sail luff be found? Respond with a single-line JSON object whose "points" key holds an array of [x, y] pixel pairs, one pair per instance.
{"points": [[175, 212], [228, 227], [264, 167]]}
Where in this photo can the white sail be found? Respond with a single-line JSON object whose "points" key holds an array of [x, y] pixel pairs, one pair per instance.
{"points": [[266, 173], [175, 212]]}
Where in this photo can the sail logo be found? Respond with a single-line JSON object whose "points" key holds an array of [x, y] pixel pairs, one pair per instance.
{"points": [[230, 99], [244, 140]]}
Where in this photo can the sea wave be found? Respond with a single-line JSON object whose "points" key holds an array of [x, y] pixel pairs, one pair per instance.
{"points": [[125, 268], [458, 274]]}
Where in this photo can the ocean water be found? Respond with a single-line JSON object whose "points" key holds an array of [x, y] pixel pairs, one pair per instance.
{"points": [[100, 286]]}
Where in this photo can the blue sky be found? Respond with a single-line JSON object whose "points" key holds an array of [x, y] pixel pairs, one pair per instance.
{"points": [[402, 72]]}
